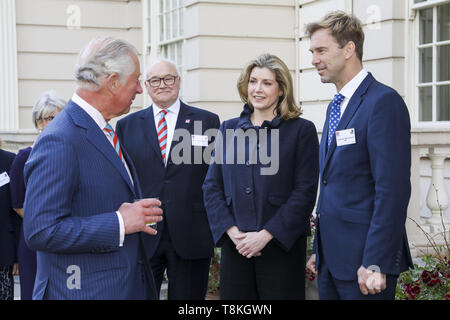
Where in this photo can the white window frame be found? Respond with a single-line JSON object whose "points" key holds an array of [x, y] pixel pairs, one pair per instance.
{"points": [[153, 45], [415, 8]]}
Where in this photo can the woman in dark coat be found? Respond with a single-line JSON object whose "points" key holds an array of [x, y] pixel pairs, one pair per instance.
{"points": [[261, 188]]}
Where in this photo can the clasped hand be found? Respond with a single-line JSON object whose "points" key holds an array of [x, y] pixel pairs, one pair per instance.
{"points": [[249, 244]]}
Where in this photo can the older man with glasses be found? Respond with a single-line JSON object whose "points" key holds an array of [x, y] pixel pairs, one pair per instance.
{"points": [[184, 244]]}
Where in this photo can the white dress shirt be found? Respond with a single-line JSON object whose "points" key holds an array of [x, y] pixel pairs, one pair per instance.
{"points": [[349, 89], [171, 120], [101, 122]]}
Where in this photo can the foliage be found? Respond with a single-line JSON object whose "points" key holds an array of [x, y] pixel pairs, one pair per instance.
{"points": [[430, 281], [309, 248], [214, 273]]}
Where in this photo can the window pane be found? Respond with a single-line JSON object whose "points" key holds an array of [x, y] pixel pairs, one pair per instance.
{"points": [[419, 1], [425, 104], [426, 26], [443, 103], [443, 22], [175, 24], [443, 67], [425, 65]]}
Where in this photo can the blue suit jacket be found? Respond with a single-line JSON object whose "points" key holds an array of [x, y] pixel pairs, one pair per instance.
{"points": [[365, 187], [178, 186], [238, 194], [75, 183], [9, 220]]}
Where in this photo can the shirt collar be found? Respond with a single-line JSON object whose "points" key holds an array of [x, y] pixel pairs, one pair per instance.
{"points": [[90, 110], [350, 88], [175, 108]]}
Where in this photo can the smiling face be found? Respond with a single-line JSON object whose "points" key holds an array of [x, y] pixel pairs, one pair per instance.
{"points": [[163, 95], [263, 90], [328, 58]]}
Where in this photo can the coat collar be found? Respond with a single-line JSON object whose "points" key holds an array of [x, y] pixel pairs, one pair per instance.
{"points": [[245, 123], [352, 107], [97, 138]]}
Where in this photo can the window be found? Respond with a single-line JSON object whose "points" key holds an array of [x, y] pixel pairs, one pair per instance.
{"points": [[433, 52], [163, 29]]}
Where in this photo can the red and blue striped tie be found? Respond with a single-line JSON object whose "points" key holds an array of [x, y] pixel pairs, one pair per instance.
{"points": [[115, 139], [162, 135]]}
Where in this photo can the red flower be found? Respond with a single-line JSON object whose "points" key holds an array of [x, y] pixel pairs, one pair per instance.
{"points": [[447, 296]]}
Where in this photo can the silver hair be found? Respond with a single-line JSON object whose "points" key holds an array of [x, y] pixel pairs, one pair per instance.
{"points": [[47, 104], [158, 60], [102, 57]]}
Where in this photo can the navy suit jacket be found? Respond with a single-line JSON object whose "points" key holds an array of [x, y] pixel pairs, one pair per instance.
{"points": [[365, 187], [178, 186], [238, 194], [75, 182], [9, 220]]}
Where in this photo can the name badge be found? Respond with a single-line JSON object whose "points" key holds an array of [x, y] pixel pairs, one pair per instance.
{"points": [[4, 179], [345, 137], [199, 141]]}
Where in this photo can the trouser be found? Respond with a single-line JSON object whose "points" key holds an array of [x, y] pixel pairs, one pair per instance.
{"points": [[275, 275]]}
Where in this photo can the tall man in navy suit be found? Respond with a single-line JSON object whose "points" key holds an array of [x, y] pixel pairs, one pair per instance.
{"points": [[80, 212], [166, 142], [365, 157]]}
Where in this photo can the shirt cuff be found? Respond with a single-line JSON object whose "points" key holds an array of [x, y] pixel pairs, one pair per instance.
{"points": [[121, 228]]}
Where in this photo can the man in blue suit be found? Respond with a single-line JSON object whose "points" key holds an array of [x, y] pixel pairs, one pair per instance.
{"points": [[167, 142], [80, 212], [365, 157]]}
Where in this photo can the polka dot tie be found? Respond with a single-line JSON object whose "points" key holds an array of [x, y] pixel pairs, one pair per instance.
{"points": [[335, 116]]}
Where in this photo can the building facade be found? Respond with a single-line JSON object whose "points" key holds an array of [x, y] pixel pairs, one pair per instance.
{"points": [[407, 47]]}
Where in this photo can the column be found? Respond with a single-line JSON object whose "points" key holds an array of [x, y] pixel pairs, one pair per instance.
{"points": [[437, 197], [9, 104]]}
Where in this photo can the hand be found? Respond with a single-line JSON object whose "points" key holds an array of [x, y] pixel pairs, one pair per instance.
{"points": [[136, 215], [371, 282], [251, 243], [15, 271], [234, 233], [311, 264]]}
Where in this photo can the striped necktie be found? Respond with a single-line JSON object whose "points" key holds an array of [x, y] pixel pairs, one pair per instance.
{"points": [[335, 116], [162, 135], [115, 139]]}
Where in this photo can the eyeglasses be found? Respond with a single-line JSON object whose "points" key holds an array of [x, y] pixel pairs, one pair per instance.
{"points": [[168, 80], [48, 119]]}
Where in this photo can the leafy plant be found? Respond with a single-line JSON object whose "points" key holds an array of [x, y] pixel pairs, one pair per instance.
{"points": [[214, 273], [430, 281]]}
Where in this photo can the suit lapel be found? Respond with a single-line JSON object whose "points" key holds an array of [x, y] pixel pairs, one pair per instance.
{"points": [[98, 139], [348, 115], [150, 132]]}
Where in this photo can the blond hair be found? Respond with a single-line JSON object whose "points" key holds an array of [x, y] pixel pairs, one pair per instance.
{"points": [[286, 107], [344, 28]]}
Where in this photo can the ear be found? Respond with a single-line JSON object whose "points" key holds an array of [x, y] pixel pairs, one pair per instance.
{"points": [[349, 49], [113, 83]]}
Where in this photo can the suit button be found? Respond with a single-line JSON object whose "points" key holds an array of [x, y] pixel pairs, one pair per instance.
{"points": [[325, 182], [248, 190], [247, 163]]}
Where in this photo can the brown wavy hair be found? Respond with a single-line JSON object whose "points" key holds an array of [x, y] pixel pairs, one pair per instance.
{"points": [[287, 107], [344, 28]]}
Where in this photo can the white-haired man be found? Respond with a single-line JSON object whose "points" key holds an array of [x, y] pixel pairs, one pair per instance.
{"points": [[81, 214], [184, 244]]}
